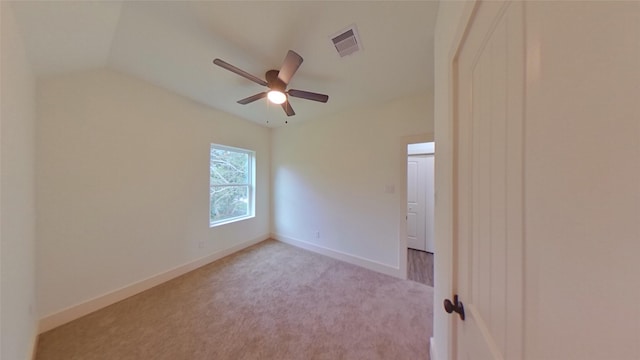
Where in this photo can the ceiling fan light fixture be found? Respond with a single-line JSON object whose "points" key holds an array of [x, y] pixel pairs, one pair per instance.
{"points": [[277, 97], [277, 82]]}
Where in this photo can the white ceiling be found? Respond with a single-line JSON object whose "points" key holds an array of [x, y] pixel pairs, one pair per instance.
{"points": [[172, 44]]}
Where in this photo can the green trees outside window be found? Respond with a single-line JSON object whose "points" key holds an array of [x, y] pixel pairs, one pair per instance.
{"points": [[231, 184]]}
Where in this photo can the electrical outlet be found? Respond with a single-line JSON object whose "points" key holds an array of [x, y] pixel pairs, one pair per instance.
{"points": [[201, 244]]}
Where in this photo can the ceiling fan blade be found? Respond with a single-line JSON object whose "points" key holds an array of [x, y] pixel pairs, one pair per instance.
{"points": [[240, 72], [289, 66], [253, 98], [308, 95], [287, 108]]}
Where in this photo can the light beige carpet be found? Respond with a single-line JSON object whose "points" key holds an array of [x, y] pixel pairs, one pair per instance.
{"points": [[270, 301]]}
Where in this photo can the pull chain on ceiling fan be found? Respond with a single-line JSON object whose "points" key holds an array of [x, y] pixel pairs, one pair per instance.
{"points": [[276, 81]]}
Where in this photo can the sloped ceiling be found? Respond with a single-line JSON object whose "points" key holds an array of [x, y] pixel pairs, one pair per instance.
{"points": [[172, 44]]}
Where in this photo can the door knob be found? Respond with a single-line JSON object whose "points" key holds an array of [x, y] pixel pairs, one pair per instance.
{"points": [[455, 306]]}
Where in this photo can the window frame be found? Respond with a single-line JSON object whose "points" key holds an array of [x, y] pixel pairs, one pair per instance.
{"points": [[251, 166]]}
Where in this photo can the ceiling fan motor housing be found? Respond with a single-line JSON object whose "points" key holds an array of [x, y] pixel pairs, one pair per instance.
{"points": [[273, 82]]}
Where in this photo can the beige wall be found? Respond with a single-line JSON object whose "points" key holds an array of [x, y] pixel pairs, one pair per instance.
{"points": [[17, 195], [330, 174], [122, 190], [582, 166]]}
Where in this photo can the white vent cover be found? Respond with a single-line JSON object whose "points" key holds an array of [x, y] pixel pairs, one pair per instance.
{"points": [[347, 41]]}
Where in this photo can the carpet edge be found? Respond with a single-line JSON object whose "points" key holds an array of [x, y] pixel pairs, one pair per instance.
{"points": [[81, 309], [342, 256]]}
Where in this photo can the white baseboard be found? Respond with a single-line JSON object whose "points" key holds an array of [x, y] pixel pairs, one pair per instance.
{"points": [[76, 311], [352, 259], [433, 354], [34, 346]]}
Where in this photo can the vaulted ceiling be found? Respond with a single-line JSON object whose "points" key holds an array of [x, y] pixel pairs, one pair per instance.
{"points": [[172, 44]]}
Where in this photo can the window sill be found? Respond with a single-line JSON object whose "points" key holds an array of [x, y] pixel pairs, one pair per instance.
{"points": [[229, 221]]}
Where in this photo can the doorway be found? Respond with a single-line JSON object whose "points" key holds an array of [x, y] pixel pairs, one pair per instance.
{"points": [[420, 212]]}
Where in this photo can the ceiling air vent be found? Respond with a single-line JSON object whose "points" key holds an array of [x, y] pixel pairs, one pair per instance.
{"points": [[347, 41]]}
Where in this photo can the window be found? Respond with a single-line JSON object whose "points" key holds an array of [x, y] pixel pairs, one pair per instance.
{"points": [[231, 190]]}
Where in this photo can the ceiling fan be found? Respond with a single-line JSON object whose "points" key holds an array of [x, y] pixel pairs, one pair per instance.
{"points": [[277, 81]]}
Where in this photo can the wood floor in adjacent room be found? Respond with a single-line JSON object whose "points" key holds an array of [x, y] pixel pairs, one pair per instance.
{"points": [[270, 301], [420, 266]]}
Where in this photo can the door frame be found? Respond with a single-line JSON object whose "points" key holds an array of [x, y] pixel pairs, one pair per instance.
{"points": [[449, 255], [402, 207]]}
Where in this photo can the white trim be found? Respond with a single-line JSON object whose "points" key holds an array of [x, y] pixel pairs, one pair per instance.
{"points": [[464, 22], [34, 345], [349, 258], [229, 221], [433, 354], [76, 311]]}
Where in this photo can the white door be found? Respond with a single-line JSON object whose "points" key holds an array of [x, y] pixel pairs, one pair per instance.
{"points": [[489, 69], [416, 202]]}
